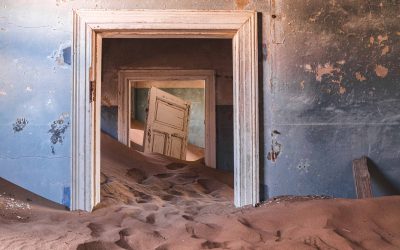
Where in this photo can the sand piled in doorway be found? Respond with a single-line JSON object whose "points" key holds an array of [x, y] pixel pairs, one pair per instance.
{"points": [[152, 202]]}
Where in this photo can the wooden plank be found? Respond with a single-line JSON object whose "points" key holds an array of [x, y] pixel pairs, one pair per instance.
{"points": [[362, 178]]}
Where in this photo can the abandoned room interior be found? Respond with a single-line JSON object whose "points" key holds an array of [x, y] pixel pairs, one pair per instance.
{"points": [[242, 124]]}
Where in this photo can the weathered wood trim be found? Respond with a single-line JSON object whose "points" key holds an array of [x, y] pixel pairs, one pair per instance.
{"points": [[245, 101], [239, 25], [127, 77], [362, 180]]}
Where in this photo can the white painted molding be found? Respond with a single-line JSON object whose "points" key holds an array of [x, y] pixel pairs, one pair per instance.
{"points": [[88, 25], [125, 77]]}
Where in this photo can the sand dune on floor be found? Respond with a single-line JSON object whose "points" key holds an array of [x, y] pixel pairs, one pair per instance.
{"points": [[153, 202]]}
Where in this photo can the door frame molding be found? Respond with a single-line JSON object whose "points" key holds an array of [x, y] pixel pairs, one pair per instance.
{"points": [[91, 26], [126, 79]]}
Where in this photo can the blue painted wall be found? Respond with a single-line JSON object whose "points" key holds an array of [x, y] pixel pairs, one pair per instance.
{"points": [[332, 95], [330, 88]]}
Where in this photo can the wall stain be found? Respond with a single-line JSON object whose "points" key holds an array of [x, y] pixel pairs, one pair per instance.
{"points": [[276, 147], [20, 124], [241, 4], [3, 93], [57, 130], [264, 52]]}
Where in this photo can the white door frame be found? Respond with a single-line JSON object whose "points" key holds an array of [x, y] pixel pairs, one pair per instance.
{"points": [[90, 26], [126, 79]]}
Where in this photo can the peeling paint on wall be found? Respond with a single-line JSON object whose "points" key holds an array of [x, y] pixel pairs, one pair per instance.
{"points": [[325, 70], [19, 124], [329, 73], [62, 55], [57, 130], [276, 147]]}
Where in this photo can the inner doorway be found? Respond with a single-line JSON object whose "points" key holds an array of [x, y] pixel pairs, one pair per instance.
{"points": [[195, 85]]}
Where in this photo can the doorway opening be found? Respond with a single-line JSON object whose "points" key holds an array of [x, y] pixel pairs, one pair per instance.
{"points": [[92, 26], [194, 85]]}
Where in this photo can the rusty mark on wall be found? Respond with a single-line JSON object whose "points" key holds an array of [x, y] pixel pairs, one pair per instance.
{"points": [[19, 124], [276, 147]]}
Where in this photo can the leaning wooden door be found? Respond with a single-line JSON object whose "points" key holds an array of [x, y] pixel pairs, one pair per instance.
{"points": [[167, 124]]}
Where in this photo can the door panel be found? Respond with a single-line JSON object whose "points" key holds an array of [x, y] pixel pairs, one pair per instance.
{"points": [[166, 124], [170, 114], [159, 142], [176, 147]]}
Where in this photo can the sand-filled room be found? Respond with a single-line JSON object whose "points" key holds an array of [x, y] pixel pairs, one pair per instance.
{"points": [[225, 124]]}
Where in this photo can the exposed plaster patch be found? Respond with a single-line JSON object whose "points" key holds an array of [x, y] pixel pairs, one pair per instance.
{"points": [[28, 89], [381, 71], [326, 70], [57, 130], [3, 93], [385, 50], [19, 124], [62, 55], [360, 77], [276, 147], [302, 85], [241, 4]]}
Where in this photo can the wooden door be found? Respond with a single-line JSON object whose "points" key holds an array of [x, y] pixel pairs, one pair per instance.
{"points": [[167, 124]]}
